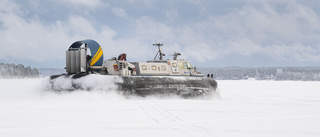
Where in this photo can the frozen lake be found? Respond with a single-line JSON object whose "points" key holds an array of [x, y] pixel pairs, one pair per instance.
{"points": [[246, 108]]}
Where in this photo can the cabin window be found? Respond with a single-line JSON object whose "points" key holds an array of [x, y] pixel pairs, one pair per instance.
{"points": [[180, 65], [154, 67], [189, 66], [185, 65], [144, 67], [163, 68], [174, 65]]}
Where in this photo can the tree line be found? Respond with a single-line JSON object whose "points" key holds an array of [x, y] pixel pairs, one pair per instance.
{"points": [[17, 71], [264, 73]]}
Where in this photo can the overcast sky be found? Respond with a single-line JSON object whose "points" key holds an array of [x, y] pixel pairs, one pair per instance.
{"points": [[209, 33]]}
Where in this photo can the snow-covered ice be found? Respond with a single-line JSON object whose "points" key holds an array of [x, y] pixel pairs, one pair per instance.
{"points": [[246, 108]]}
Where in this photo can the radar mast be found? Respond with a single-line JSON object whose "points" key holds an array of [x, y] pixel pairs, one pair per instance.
{"points": [[159, 51]]}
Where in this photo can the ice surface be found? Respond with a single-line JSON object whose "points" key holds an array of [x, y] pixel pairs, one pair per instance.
{"points": [[246, 108]]}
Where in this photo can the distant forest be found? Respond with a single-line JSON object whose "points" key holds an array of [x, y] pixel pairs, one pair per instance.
{"points": [[264, 73], [223, 73], [17, 71]]}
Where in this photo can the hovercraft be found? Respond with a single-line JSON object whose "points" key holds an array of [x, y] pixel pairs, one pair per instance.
{"points": [[157, 76]]}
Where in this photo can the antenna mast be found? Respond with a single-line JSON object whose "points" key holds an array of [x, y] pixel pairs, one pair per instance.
{"points": [[159, 51]]}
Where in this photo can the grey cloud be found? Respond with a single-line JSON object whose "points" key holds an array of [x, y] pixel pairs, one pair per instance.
{"points": [[281, 30]]}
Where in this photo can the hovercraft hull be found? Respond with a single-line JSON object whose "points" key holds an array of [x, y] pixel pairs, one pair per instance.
{"points": [[147, 85]]}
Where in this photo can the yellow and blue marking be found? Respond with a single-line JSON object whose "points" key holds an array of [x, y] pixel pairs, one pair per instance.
{"points": [[96, 57], [95, 48]]}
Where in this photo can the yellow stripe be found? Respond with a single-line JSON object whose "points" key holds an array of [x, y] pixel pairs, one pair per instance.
{"points": [[96, 57], [96, 54]]}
